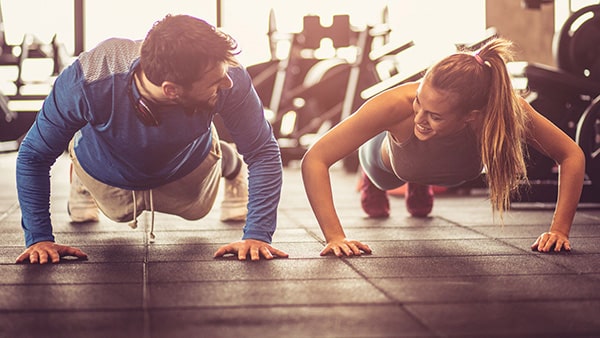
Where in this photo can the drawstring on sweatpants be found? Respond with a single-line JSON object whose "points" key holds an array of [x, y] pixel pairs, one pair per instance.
{"points": [[133, 223], [152, 237]]}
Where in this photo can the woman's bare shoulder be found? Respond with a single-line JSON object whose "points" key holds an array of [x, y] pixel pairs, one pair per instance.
{"points": [[395, 103]]}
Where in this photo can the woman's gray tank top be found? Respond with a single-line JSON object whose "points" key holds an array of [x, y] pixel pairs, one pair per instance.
{"points": [[446, 161]]}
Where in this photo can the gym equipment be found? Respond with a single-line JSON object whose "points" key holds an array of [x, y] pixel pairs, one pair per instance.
{"points": [[588, 138], [308, 94], [561, 97], [577, 49], [568, 96], [7, 134], [19, 105]]}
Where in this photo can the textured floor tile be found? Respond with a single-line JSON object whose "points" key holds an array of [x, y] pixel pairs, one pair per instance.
{"points": [[468, 289], [224, 236], [193, 252], [453, 266], [131, 237], [579, 245], [96, 254], [13, 238], [413, 233], [232, 270], [115, 253], [62, 324], [441, 247], [533, 231], [577, 263], [266, 292], [71, 272], [512, 319], [70, 297], [299, 321]]}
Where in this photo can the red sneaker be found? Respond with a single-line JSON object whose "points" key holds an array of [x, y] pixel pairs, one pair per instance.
{"points": [[374, 201], [419, 199]]}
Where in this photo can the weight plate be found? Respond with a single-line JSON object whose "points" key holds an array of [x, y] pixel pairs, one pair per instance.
{"points": [[588, 138], [578, 44]]}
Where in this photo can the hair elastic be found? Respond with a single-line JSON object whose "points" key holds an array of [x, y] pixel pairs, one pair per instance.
{"points": [[481, 61]]}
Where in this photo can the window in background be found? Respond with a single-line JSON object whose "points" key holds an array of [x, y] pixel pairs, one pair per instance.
{"points": [[434, 25], [48, 18], [103, 19], [133, 18]]}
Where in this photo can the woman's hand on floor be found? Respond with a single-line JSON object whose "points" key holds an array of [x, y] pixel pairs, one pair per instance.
{"points": [[346, 247]]}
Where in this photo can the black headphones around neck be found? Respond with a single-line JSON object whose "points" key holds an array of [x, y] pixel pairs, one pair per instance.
{"points": [[143, 108]]}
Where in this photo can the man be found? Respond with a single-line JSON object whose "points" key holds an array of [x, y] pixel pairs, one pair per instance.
{"points": [[137, 120]]}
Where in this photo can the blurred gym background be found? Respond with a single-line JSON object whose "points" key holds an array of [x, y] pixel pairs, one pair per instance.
{"points": [[314, 62]]}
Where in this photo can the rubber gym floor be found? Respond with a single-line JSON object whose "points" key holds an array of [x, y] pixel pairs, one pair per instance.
{"points": [[454, 274]]}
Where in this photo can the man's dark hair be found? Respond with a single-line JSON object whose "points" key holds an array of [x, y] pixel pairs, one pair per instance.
{"points": [[181, 48]]}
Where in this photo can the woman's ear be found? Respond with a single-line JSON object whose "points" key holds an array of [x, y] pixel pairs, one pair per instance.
{"points": [[473, 115]]}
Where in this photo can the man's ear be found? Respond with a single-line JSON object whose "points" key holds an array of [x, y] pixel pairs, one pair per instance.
{"points": [[171, 90]]}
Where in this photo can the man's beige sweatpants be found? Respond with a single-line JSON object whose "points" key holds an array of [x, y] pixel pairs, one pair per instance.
{"points": [[190, 197]]}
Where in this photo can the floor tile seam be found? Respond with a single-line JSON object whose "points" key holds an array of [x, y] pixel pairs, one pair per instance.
{"points": [[520, 225], [9, 211], [472, 228], [145, 292], [441, 239], [307, 229], [387, 295], [556, 263], [373, 278], [315, 235], [539, 255], [500, 240], [45, 310], [511, 255], [75, 261], [263, 280], [151, 261], [278, 305], [591, 275], [198, 307], [491, 274], [487, 237], [381, 290], [79, 261], [13, 246], [217, 243], [590, 217], [146, 260], [325, 305], [503, 301], [46, 284], [151, 308], [234, 259], [374, 255]]}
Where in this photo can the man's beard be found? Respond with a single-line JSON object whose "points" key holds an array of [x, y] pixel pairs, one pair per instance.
{"points": [[191, 106]]}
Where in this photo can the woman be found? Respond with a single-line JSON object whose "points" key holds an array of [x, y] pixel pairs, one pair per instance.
{"points": [[462, 118]]}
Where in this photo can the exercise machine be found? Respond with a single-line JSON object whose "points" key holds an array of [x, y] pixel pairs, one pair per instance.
{"points": [[305, 94], [569, 96], [21, 98]]}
